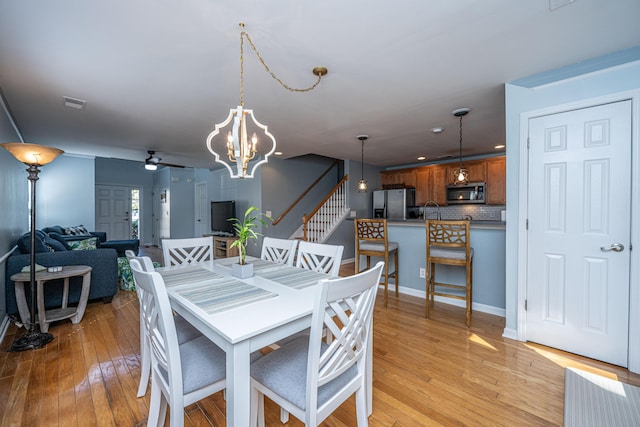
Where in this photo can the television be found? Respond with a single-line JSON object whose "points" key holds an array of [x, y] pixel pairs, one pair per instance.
{"points": [[221, 211]]}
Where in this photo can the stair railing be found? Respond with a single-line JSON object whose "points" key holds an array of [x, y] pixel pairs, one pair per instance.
{"points": [[328, 212], [304, 193]]}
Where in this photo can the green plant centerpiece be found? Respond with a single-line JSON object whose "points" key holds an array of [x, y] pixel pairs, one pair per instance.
{"points": [[245, 229]]}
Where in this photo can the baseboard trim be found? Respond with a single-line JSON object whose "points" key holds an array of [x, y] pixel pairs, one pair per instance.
{"points": [[4, 326], [497, 311], [510, 333]]}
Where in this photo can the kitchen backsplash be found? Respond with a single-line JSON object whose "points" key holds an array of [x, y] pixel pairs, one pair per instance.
{"points": [[476, 212]]}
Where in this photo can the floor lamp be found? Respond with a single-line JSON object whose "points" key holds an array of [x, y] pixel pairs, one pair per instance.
{"points": [[33, 156]]}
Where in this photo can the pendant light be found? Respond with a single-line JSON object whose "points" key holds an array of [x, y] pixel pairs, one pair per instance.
{"points": [[362, 185], [238, 148], [460, 175]]}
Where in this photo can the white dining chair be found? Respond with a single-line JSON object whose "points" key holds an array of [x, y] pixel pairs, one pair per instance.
{"points": [[184, 330], [196, 250], [310, 378], [182, 374], [319, 257], [281, 251]]}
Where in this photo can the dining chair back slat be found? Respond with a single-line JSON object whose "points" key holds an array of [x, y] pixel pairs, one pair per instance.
{"points": [[197, 250], [182, 373], [309, 377], [281, 251], [319, 257]]}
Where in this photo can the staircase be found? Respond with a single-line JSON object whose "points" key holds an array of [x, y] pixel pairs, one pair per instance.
{"points": [[326, 217]]}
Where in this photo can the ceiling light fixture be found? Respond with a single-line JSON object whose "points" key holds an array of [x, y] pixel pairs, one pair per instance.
{"points": [[499, 146], [460, 176], [238, 148], [151, 162], [437, 129], [362, 185]]}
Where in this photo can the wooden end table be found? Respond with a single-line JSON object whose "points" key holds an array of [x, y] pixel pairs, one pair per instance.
{"points": [[42, 277]]}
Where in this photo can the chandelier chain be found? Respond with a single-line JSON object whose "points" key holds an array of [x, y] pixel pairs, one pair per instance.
{"points": [[244, 34]]}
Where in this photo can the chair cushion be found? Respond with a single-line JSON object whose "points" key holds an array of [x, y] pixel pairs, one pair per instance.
{"points": [[285, 372], [185, 330], [203, 363], [450, 253], [369, 246]]}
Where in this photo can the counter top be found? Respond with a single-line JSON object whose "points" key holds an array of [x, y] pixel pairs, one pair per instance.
{"points": [[501, 225]]}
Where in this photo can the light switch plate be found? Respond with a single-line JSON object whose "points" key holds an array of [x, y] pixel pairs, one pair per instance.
{"points": [[268, 213], [353, 213]]}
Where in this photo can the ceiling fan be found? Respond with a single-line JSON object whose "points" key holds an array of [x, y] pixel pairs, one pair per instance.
{"points": [[152, 162]]}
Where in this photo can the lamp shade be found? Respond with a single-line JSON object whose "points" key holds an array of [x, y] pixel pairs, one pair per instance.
{"points": [[32, 154]]}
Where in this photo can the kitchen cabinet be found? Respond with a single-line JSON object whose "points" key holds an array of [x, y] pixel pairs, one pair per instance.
{"points": [[431, 184], [400, 178], [477, 170], [496, 181]]}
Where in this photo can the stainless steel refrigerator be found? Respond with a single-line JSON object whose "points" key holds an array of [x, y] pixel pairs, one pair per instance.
{"points": [[393, 204]]}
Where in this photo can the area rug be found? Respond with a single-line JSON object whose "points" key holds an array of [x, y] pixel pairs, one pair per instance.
{"points": [[592, 400]]}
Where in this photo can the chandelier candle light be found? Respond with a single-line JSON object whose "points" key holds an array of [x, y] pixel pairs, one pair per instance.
{"points": [[33, 156], [237, 150], [460, 176]]}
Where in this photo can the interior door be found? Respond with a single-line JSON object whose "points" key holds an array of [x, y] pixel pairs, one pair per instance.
{"points": [[201, 210], [579, 223], [113, 207]]}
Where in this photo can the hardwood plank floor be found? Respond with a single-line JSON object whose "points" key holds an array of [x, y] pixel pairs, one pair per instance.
{"points": [[426, 373]]}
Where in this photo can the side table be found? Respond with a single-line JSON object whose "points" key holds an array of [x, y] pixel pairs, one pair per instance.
{"points": [[42, 277]]}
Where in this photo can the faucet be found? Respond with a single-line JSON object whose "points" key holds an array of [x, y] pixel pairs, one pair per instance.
{"points": [[431, 203]]}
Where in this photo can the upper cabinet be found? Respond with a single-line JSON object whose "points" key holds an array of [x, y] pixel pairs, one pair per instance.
{"points": [[400, 177], [496, 181], [431, 181], [431, 184], [477, 170]]}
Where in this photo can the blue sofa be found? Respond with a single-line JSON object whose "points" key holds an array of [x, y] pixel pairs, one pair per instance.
{"points": [[119, 245], [104, 274]]}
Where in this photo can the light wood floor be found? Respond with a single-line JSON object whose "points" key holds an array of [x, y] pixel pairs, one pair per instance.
{"points": [[426, 373]]}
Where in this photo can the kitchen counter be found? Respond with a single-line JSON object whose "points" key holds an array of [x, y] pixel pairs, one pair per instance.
{"points": [[415, 222], [489, 277]]}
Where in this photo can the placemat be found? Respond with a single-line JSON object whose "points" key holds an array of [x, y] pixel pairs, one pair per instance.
{"points": [[216, 295], [190, 274], [294, 277]]}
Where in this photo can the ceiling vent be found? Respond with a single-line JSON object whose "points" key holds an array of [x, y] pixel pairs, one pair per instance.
{"points": [[74, 103]]}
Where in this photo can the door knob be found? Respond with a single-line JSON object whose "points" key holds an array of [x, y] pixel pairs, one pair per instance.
{"points": [[616, 247]]}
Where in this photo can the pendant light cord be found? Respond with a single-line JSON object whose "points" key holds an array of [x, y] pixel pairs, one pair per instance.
{"points": [[461, 141]]}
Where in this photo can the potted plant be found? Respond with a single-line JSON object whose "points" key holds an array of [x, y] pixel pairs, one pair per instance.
{"points": [[245, 231]]}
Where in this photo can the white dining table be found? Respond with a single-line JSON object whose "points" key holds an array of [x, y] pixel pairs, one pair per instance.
{"points": [[242, 315]]}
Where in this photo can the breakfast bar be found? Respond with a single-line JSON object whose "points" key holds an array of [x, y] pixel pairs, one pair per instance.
{"points": [[489, 279]]}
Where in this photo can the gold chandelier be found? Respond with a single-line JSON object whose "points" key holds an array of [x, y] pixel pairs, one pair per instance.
{"points": [[237, 150]]}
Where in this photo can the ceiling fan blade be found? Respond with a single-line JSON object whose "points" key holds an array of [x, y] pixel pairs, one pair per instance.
{"points": [[172, 165]]}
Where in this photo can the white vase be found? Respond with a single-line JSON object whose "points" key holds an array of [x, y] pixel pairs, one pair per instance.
{"points": [[242, 271]]}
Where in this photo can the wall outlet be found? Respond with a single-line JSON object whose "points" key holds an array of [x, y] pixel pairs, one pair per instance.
{"points": [[423, 273], [353, 213], [268, 213]]}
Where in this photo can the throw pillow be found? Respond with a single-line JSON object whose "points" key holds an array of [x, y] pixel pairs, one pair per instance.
{"points": [[54, 244], [83, 245], [61, 239], [24, 243]]}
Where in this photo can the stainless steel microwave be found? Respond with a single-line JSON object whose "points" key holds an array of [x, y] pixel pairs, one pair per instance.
{"points": [[473, 192]]}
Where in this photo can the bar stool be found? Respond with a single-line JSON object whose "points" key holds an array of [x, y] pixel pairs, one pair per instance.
{"points": [[371, 240], [448, 244]]}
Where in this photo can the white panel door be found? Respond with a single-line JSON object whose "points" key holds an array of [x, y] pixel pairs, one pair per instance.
{"points": [[201, 210], [579, 219], [112, 211]]}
